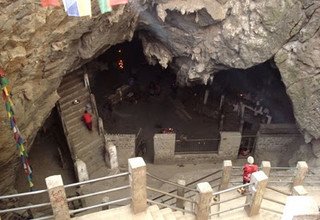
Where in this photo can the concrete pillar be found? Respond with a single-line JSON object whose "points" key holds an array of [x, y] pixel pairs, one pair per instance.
{"points": [[105, 200], [299, 191], [221, 122], [138, 183], [100, 126], [260, 181], [226, 174], [221, 102], [111, 156], [180, 192], [57, 196], [206, 95], [164, 148], [241, 125], [203, 201], [229, 144], [82, 172], [301, 172], [266, 167]]}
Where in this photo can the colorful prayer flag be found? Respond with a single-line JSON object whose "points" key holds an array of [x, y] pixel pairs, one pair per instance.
{"points": [[47, 3], [118, 2], [77, 8], [105, 6]]}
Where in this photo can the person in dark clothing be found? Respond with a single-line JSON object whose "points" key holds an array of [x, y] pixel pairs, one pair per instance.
{"points": [[87, 119]]}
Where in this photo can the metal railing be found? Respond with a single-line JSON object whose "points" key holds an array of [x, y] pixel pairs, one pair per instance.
{"points": [[197, 146], [70, 199], [217, 194], [190, 184]]}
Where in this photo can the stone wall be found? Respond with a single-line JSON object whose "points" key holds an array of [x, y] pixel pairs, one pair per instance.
{"points": [[276, 143], [164, 145], [164, 148], [125, 144]]}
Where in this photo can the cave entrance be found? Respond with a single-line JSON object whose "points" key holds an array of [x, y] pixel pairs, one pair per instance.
{"points": [[151, 102], [249, 98]]}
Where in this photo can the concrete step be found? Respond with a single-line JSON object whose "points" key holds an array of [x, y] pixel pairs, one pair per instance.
{"points": [[177, 214], [83, 98], [75, 108], [74, 95], [70, 87], [67, 80], [93, 147], [76, 114], [169, 216], [157, 215], [187, 217]]}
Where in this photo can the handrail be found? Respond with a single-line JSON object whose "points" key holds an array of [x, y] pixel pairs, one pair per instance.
{"points": [[283, 168], [279, 191], [272, 200], [97, 193], [24, 194], [169, 206], [96, 180], [231, 189], [25, 207], [227, 200], [228, 210], [44, 217], [271, 210], [280, 181], [170, 182], [98, 205], [95, 109], [280, 175], [193, 182], [169, 194]]}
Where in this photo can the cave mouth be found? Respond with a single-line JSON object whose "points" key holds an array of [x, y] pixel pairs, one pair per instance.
{"points": [[151, 101]]}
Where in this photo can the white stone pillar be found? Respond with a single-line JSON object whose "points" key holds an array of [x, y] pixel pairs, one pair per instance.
{"points": [[203, 201], [82, 172], [266, 167], [301, 172], [180, 192], [57, 196], [226, 174], [299, 191], [138, 183], [111, 156], [260, 181]]}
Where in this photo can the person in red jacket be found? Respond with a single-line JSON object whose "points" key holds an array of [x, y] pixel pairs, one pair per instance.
{"points": [[248, 169], [87, 119]]}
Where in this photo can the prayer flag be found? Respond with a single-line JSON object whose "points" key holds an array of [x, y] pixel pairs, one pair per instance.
{"points": [[47, 3], [118, 2], [4, 82], [77, 7], [105, 6]]}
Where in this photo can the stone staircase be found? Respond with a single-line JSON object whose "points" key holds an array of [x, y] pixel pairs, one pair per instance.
{"points": [[83, 144], [152, 213]]}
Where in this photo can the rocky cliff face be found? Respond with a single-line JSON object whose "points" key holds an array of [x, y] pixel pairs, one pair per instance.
{"points": [[195, 37]]}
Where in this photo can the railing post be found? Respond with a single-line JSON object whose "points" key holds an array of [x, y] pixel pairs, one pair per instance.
{"points": [[105, 200], [57, 196], [100, 126], [299, 191], [180, 192], [302, 170], [226, 174], [138, 183], [203, 201], [260, 181], [266, 167]]}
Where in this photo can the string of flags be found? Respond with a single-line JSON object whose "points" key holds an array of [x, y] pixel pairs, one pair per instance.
{"points": [[79, 8], [4, 82]]}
